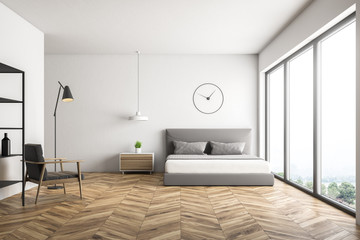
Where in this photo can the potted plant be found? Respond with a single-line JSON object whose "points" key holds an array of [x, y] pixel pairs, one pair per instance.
{"points": [[138, 147]]}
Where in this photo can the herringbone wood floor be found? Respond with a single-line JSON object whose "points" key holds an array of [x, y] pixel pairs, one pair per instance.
{"points": [[138, 206]]}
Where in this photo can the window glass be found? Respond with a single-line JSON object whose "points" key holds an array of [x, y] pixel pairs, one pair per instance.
{"points": [[338, 115], [276, 120], [301, 118]]}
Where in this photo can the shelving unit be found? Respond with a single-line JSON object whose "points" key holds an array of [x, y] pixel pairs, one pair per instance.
{"points": [[5, 69], [11, 155]]}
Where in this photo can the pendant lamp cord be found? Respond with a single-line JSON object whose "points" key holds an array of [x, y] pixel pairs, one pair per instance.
{"points": [[138, 55]]}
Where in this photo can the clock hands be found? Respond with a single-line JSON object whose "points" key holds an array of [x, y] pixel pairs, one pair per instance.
{"points": [[207, 98], [204, 96], [211, 95]]}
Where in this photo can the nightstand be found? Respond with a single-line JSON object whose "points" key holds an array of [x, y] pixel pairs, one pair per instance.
{"points": [[136, 162]]}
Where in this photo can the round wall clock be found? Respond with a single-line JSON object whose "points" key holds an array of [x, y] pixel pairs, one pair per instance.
{"points": [[208, 98]]}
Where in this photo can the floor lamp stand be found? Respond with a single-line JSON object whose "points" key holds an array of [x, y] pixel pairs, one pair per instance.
{"points": [[57, 101]]}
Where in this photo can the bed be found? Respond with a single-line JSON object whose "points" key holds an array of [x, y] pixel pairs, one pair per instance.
{"points": [[214, 170]]}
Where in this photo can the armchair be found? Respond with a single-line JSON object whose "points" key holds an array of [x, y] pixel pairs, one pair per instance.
{"points": [[36, 169]]}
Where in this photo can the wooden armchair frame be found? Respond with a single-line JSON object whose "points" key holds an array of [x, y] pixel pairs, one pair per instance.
{"points": [[42, 182]]}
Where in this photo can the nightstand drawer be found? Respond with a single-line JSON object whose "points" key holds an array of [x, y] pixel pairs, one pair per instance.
{"points": [[135, 164], [136, 157]]}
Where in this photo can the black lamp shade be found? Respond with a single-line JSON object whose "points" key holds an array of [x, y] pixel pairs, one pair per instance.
{"points": [[67, 96]]}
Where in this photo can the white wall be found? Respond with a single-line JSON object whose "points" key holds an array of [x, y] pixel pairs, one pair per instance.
{"points": [[94, 127], [22, 47]]}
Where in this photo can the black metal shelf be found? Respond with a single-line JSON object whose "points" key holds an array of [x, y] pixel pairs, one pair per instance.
{"points": [[10, 128], [11, 155], [5, 183], [8, 100], [8, 69]]}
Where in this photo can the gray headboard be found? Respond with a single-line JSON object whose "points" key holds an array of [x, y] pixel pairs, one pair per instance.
{"points": [[204, 135]]}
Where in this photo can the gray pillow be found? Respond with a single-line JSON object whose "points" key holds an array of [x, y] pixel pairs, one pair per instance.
{"points": [[219, 148], [189, 147]]}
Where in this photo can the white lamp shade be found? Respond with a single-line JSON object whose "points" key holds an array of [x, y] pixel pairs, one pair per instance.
{"points": [[139, 117]]}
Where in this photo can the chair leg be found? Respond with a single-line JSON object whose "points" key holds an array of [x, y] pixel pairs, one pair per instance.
{"points": [[37, 194], [61, 165], [40, 182], [80, 190], [79, 176], [62, 169]]}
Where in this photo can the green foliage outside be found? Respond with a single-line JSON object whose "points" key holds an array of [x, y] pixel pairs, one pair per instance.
{"points": [[309, 185], [347, 192], [323, 189], [138, 144], [299, 181], [333, 190], [281, 174]]}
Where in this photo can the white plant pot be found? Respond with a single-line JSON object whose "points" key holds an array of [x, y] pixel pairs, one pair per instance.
{"points": [[138, 150]]}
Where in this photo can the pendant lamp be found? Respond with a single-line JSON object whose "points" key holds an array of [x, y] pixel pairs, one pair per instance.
{"points": [[138, 116]]}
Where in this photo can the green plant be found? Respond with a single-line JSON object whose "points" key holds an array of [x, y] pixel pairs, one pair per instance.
{"points": [[138, 144]]}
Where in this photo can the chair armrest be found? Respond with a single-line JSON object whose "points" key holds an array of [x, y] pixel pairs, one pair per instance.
{"points": [[46, 159], [38, 163], [71, 161]]}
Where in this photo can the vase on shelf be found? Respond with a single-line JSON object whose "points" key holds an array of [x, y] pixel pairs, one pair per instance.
{"points": [[5, 146], [137, 150]]}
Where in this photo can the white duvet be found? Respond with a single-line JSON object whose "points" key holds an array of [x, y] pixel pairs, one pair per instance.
{"points": [[216, 164]]}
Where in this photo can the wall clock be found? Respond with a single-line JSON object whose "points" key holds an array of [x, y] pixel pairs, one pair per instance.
{"points": [[208, 98]]}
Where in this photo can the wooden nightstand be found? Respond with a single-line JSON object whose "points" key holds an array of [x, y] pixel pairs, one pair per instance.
{"points": [[136, 162]]}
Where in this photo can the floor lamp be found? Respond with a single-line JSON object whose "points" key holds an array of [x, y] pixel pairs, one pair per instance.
{"points": [[67, 97]]}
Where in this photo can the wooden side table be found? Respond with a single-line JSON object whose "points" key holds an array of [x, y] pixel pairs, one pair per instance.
{"points": [[136, 162]]}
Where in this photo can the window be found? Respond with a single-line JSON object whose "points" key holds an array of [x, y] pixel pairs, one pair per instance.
{"points": [[311, 117], [338, 115], [276, 120], [301, 118]]}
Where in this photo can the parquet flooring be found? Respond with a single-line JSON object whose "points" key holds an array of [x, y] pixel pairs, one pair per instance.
{"points": [[138, 206]]}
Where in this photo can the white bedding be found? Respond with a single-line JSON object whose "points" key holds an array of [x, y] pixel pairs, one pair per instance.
{"points": [[216, 164]]}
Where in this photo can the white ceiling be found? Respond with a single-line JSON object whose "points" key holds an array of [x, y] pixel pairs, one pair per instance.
{"points": [[157, 26]]}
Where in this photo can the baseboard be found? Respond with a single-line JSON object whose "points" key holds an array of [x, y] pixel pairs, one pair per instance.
{"points": [[13, 189]]}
